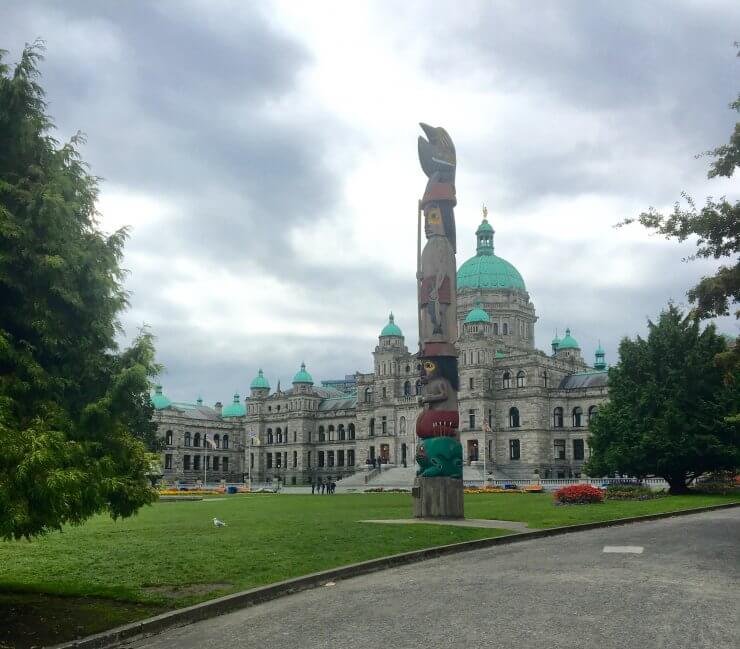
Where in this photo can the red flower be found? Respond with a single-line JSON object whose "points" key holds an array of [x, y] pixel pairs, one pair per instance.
{"points": [[579, 494]]}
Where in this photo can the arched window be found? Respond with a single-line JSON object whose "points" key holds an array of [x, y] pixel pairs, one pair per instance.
{"points": [[270, 438], [506, 329], [557, 417], [418, 387], [521, 379], [372, 426], [188, 441], [217, 440], [408, 369], [196, 439], [330, 437], [322, 434], [368, 395], [278, 436], [513, 418], [341, 434], [506, 380], [407, 389], [592, 412], [225, 441], [168, 438], [577, 417], [495, 328], [351, 431], [402, 426]]}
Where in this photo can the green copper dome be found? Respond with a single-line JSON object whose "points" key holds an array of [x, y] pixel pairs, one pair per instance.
{"points": [[477, 315], [259, 381], [391, 329], [302, 376], [486, 270], [159, 401], [234, 409], [568, 342]]}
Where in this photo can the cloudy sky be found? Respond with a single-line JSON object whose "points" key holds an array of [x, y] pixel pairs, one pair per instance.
{"points": [[264, 155]]}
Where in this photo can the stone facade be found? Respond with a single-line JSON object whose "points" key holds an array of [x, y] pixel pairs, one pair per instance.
{"points": [[523, 412]]}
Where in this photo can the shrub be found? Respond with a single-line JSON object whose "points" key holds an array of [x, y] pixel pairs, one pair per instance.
{"points": [[630, 492], [578, 494]]}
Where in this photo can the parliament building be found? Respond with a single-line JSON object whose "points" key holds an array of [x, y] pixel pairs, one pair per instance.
{"points": [[523, 412]]}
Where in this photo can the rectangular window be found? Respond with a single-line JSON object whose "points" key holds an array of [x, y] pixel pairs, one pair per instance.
{"points": [[295, 459], [216, 463], [168, 461], [351, 457], [321, 458], [295, 437], [308, 460], [559, 449], [225, 464], [208, 462], [340, 458], [490, 418], [471, 419], [268, 459], [285, 459], [578, 449], [514, 450], [278, 460], [471, 382], [251, 460], [186, 463], [330, 458], [196, 462], [384, 425]]}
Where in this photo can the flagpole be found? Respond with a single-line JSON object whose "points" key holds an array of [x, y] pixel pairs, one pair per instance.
{"points": [[205, 463]]}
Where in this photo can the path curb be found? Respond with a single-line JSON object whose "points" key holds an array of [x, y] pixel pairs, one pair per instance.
{"points": [[221, 605]]}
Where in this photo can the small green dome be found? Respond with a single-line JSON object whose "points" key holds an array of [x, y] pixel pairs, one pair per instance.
{"points": [[159, 401], [485, 226], [500, 354], [477, 314], [259, 381], [391, 329], [234, 409], [302, 376], [568, 342]]}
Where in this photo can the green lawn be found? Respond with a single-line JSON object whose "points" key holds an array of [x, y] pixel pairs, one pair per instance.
{"points": [[170, 555]]}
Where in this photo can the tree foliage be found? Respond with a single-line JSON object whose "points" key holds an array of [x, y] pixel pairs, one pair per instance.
{"points": [[75, 416], [717, 228], [668, 409]]}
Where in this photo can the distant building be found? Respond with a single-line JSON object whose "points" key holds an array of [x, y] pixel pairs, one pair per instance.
{"points": [[526, 410]]}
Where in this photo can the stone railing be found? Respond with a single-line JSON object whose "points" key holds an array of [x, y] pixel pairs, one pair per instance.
{"points": [[550, 484]]}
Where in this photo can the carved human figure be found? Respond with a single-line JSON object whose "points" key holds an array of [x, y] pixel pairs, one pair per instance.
{"points": [[440, 417]]}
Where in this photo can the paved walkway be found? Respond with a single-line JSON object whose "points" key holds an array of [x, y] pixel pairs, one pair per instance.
{"points": [[461, 522], [680, 592]]}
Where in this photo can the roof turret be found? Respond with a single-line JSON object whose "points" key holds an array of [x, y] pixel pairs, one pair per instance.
{"points": [[234, 409], [477, 314], [259, 381], [391, 329], [568, 342], [303, 376], [159, 400]]}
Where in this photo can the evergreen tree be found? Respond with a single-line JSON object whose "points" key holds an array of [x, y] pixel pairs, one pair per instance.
{"points": [[669, 408], [75, 416]]}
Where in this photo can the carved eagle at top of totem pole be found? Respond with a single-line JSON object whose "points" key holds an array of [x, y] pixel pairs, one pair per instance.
{"points": [[437, 155]]}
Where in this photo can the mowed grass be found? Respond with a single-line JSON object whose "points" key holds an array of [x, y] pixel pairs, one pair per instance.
{"points": [[171, 552], [170, 555]]}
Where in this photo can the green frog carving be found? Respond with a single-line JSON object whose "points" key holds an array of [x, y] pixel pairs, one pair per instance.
{"points": [[439, 457]]}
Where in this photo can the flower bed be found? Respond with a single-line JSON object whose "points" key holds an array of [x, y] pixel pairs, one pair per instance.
{"points": [[631, 492], [578, 494]]}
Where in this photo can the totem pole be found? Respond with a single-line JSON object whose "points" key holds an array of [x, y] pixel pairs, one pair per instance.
{"points": [[439, 453]]}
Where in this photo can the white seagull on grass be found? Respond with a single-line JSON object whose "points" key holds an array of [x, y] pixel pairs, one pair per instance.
{"points": [[217, 522]]}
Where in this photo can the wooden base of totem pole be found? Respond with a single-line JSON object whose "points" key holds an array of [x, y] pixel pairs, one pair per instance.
{"points": [[438, 498]]}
